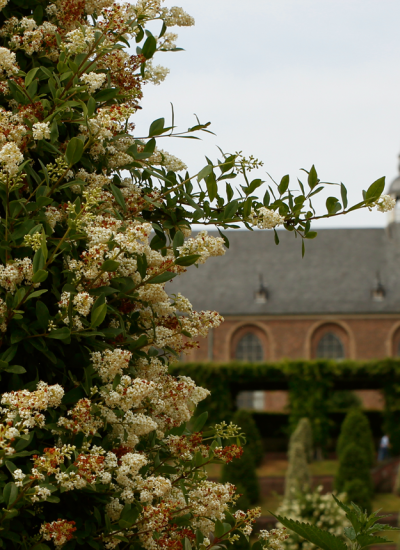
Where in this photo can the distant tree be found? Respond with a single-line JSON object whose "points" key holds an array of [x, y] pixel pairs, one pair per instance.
{"points": [[356, 429]]}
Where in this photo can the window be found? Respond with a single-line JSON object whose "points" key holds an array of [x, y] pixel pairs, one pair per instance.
{"points": [[249, 348], [254, 400], [330, 347]]}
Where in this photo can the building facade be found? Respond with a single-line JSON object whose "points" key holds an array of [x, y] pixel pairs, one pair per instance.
{"points": [[341, 301]]}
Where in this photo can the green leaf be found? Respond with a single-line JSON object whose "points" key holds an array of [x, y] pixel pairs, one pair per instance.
{"points": [[283, 186], [59, 334], [368, 540], [38, 261], [42, 314], [10, 493], [312, 177], [36, 294], [212, 187], [322, 539], [156, 127], [178, 241], [343, 193], [199, 422], [205, 172], [30, 76], [42, 546], [74, 151], [163, 278], [40, 276], [110, 265], [375, 190], [106, 95], [230, 209], [15, 369], [311, 235], [24, 441], [187, 260], [219, 529], [350, 533], [98, 315], [142, 265], [118, 197], [333, 205], [186, 544], [149, 47]]}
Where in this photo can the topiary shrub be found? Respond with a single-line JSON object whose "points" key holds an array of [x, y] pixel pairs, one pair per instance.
{"points": [[358, 493], [356, 429], [242, 473], [244, 419], [303, 435], [298, 478], [354, 466]]}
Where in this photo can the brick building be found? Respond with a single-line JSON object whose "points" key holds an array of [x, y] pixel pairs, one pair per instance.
{"points": [[341, 301]]}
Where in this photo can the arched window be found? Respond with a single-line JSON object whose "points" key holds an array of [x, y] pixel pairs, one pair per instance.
{"points": [[249, 348], [330, 347]]}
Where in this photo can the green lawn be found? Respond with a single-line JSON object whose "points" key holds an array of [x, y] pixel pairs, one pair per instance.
{"points": [[277, 468], [387, 502]]}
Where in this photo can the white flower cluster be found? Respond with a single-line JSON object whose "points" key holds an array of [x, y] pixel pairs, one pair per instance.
{"points": [[8, 62], [265, 218], [170, 162], [10, 158], [128, 394], [3, 315], [34, 241], [82, 303], [23, 411], [177, 17], [79, 40], [26, 35], [204, 245], [94, 81], [385, 203], [53, 215], [15, 273], [41, 130], [274, 538], [81, 419], [111, 362], [155, 74]]}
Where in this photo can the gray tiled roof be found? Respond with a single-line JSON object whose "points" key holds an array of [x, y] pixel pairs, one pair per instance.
{"points": [[336, 275]]}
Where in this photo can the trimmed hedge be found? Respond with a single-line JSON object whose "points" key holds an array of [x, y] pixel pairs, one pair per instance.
{"points": [[309, 383]]}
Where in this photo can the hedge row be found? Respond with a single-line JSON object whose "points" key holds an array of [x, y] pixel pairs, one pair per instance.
{"points": [[310, 385]]}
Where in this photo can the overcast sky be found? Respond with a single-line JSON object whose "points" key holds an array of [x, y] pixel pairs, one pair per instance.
{"points": [[293, 82]]}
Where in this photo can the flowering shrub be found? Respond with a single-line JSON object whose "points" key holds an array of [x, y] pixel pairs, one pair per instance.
{"points": [[98, 444], [316, 509]]}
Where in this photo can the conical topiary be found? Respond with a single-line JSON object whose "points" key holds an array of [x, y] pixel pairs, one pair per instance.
{"points": [[356, 429], [354, 465], [303, 435], [358, 492], [298, 474]]}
